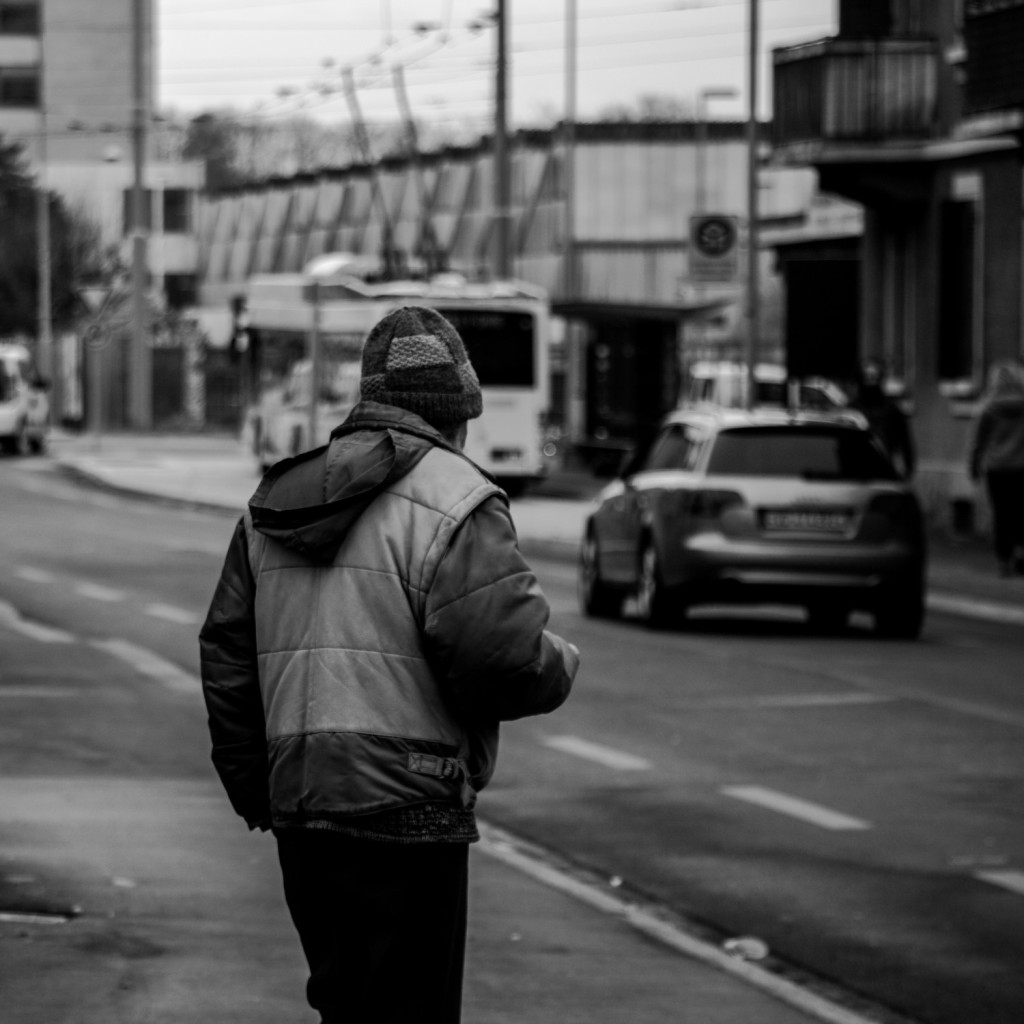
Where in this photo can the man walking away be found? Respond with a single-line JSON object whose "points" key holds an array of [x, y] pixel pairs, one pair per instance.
{"points": [[373, 623]]}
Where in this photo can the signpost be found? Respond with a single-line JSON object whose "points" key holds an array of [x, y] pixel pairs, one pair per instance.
{"points": [[714, 249]]}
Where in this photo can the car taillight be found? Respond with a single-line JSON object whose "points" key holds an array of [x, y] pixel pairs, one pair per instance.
{"points": [[709, 504], [899, 510]]}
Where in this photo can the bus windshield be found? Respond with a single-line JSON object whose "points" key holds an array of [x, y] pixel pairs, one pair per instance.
{"points": [[500, 344]]}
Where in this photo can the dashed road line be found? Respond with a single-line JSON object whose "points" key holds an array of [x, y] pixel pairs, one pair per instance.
{"points": [[170, 613], [799, 700], [803, 810], [33, 575], [1011, 880], [35, 692], [607, 756], [97, 592], [12, 618], [150, 664]]}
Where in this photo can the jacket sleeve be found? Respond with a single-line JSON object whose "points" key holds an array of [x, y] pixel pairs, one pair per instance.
{"points": [[227, 647], [485, 626]]}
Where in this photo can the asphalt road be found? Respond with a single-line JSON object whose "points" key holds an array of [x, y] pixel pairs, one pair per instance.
{"points": [[851, 802]]}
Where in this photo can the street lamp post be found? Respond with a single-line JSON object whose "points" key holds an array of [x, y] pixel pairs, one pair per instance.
{"points": [[753, 284], [703, 98], [141, 363]]}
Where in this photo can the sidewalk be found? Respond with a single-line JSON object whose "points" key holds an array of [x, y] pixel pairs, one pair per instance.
{"points": [[215, 471]]}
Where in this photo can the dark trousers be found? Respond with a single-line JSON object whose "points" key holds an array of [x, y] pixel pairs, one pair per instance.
{"points": [[383, 925], [1006, 497]]}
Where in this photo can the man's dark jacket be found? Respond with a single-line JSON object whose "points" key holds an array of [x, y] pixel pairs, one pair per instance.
{"points": [[373, 623]]}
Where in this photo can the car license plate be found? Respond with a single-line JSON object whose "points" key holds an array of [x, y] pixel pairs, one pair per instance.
{"points": [[806, 520]]}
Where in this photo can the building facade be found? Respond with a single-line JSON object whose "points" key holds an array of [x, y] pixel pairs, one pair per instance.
{"points": [[76, 92], [914, 111], [601, 222]]}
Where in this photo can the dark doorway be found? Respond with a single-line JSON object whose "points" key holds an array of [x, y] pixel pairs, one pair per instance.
{"points": [[822, 309]]}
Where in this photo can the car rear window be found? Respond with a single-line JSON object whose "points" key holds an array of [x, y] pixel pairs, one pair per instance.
{"points": [[812, 453]]}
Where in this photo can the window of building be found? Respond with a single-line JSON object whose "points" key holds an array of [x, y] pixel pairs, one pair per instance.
{"points": [[19, 87], [19, 19], [177, 211], [181, 290]]}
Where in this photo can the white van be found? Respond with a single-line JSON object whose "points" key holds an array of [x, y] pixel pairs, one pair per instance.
{"points": [[24, 403]]}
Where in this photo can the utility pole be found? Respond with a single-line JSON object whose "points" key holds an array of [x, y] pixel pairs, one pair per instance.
{"points": [[569, 149], [753, 283], [141, 404], [44, 354], [503, 261]]}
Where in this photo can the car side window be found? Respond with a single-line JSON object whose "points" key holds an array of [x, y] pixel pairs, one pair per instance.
{"points": [[675, 448]]}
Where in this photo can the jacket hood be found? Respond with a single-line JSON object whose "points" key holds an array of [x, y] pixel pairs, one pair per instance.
{"points": [[310, 502]]}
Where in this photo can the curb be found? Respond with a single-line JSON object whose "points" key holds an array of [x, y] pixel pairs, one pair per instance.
{"points": [[817, 998]]}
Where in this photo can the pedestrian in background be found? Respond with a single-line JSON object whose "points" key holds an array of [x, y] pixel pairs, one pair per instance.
{"points": [[997, 455], [888, 422], [373, 623]]}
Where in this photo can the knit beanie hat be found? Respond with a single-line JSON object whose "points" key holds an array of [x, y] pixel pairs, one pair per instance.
{"points": [[415, 359]]}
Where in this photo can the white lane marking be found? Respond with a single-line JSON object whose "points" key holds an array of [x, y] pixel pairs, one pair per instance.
{"points": [[194, 547], [11, 917], [150, 664], [820, 700], [814, 814], [800, 700], [172, 614], [972, 609], [12, 619], [1012, 880], [606, 756], [27, 572], [37, 691], [650, 920], [98, 592]]}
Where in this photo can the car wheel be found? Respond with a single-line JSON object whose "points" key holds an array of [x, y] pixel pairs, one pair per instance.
{"points": [[597, 599], [899, 611], [828, 617], [655, 604], [17, 443]]}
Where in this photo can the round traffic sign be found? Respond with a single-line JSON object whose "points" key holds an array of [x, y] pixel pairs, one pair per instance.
{"points": [[714, 236]]}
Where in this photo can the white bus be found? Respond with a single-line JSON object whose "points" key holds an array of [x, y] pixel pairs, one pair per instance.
{"points": [[504, 324]]}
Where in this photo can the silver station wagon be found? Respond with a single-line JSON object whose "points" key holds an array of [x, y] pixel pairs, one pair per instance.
{"points": [[761, 506]]}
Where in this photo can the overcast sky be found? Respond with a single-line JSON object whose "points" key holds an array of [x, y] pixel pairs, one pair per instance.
{"points": [[276, 57]]}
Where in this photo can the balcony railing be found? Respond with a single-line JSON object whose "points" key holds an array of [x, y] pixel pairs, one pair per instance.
{"points": [[853, 90]]}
